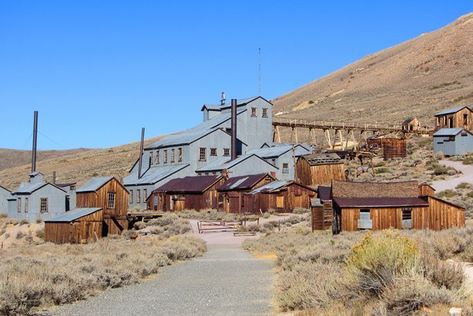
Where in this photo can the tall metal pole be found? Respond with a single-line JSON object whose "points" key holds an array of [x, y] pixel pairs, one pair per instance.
{"points": [[35, 142], [142, 143], [234, 129]]}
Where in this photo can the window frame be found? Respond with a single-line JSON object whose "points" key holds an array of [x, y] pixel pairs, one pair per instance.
{"points": [[285, 168], [173, 154], [44, 209], [131, 197], [202, 154], [156, 158], [138, 196], [18, 205], [254, 112], [226, 152], [165, 156], [179, 154], [264, 113], [26, 205], [213, 152], [111, 197]]}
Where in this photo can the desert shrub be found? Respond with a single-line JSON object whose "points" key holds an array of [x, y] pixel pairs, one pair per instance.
{"points": [[447, 194], [301, 210], [382, 170], [24, 222], [463, 185], [439, 169], [40, 233], [266, 215], [443, 274], [139, 225], [20, 235], [168, 225], [468, 160]]}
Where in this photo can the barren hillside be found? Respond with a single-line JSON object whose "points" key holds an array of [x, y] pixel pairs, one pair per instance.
{"points": [[416, 78]]}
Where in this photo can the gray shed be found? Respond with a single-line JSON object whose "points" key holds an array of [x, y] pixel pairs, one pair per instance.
{"points": [[453, 141]]}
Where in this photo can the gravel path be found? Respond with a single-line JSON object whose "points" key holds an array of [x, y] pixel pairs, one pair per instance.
{"points": [[466, 176], [225, 281]]}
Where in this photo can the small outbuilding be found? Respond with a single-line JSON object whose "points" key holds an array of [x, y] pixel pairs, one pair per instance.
{"points": [[410, 124], [280, 196], [453, 141], [193, 192], [231, 192], [319, 169], [391, 146], [80, 225], [458, 117]]}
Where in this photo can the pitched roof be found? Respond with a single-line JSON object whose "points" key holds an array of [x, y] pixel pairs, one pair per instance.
{"points": [[451, 110], [2, 187], [408, 120], [242, 182], [374, 202], [153, 174], [324, 193], [191, 184], [271, 187], [29, 188], [322, 159], [94, 184], [224, 163], [278, 150], [450, 131], [344, 189], [74, 214], [240, 102]]}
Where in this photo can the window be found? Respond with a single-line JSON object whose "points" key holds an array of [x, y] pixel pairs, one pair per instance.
{"points": [[364, 222], [280, 201], [285, 167], [226, 152], [111, 200], [465, 119], [172, 155], [265, 112], [156, 158], [407, 218], [273, 161], [44, 205], [213, 151], [138, 196], [202, 154], [145, 194], [165, 158], [179, 155], [464, 134], [26, 205], [18, 205], [131, 197], [151, 161], [253, 112]]}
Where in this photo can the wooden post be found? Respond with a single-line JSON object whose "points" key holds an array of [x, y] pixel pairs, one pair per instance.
{"points": [[327, 137]]}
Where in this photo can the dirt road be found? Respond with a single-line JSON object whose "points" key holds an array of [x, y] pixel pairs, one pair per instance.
{"points": [[466, 176]]}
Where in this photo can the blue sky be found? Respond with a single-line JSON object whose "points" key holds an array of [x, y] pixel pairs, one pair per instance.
{"points": [[98, 71]]}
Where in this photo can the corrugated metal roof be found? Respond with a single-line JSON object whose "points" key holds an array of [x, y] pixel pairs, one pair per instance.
{"points": [[243, 101], [451, 110], [74, 214], [191, 184], [242, 182], [153, 174], [94, 184], [323, 158], [272, 186], [223, 163], [278, 150], [375, 202], [449, 131]]}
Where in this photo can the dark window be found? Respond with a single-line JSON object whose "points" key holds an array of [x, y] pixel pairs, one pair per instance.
{"points": [[285, 167], [43, 205], [213, 151], [156, 158], [451, 138], [111, 200], [253, 112], [464, 134], [265, 112], [151, 161], [406, 214], [465, 119], [202, 154], [172, 155], [138, 196], [226, 152], [131, 197], [179, 155], [18, 205], [26, 205], [165, 159]]}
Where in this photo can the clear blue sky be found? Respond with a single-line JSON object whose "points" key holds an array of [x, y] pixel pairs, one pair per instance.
{"points": [[100, 70]]}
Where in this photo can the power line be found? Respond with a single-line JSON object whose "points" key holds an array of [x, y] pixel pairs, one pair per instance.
{"points": [[51, 140]]}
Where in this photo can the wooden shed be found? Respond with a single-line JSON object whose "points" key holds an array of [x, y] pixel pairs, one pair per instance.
{"points": [[77, 226], [458, 117], [281, 196], [410, 124], [111, 196], [392, 147], [322, 214], [193, 192], [368, 205], [319, 169], [231, 192]]}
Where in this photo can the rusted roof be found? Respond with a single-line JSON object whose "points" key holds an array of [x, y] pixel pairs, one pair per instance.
{"points": [[375, 202], [345, 189], [191, 184], [323, 158], [242, 182], [324, 193]]}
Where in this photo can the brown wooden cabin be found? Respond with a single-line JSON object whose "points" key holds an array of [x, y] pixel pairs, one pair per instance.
{"points": [[410, 124], [281, 196], [77, 226], [110, 195], [193, 192], [231, 192], [458, 117], [426, 190], [367, 205], [392, 147], [319, 169]]}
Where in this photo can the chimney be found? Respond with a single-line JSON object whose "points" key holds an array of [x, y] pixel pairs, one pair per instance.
{"points": [[54, 177], [142, 143], [225, 174], [234, 129], [222, 98], [35, 142]]}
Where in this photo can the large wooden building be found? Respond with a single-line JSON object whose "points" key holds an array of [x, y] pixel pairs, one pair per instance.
{"points": [[196, 192], [458, 117], [231, 192], [367, 205], [319, 169], [391, 146], [280, 196]]}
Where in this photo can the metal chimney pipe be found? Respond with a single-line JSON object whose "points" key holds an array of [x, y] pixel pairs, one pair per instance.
{"points": [[142, 144], [54, 177], [234, 129], [35, 142]]}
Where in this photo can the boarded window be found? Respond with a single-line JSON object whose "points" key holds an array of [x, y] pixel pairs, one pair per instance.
{"points": [[131, 197], [226, 152], [365, 219], [138, 196], [253, 112], [165, 159], [172, 155], [18, 205], [202, 154], [213, 151], [285, 167], [265, 112], [43, 205], [111, 200], [179, 155], [26, 205], [280, 201]]}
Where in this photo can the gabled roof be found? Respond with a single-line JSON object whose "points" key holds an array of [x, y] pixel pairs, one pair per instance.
{"points": [[346, 189], [94, 184], [224, 163], [277, 186], [191, 184], [451, 110], [153, 175], [322, 159], [240, 102], [243, 182], [450, 132], [29, 188], [73, 215], [377, 202], [279, 150], [2, 187]]}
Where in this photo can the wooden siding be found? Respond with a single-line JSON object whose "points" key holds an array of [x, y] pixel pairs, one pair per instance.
{"points": [[454, 120], [426, 190], [319, 174], [84, 229], [322, 216]]}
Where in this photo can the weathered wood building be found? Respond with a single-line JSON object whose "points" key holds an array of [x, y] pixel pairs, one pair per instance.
{"points": [[366, 205], [231, 192], [458, 117], [80, 225], [108, 194], [197, 192], [280, 196], [391, 146], [319, 169], [411, 124]]}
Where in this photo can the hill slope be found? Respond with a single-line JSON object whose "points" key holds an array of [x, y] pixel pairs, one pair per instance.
{"points": [[416, 78]]}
